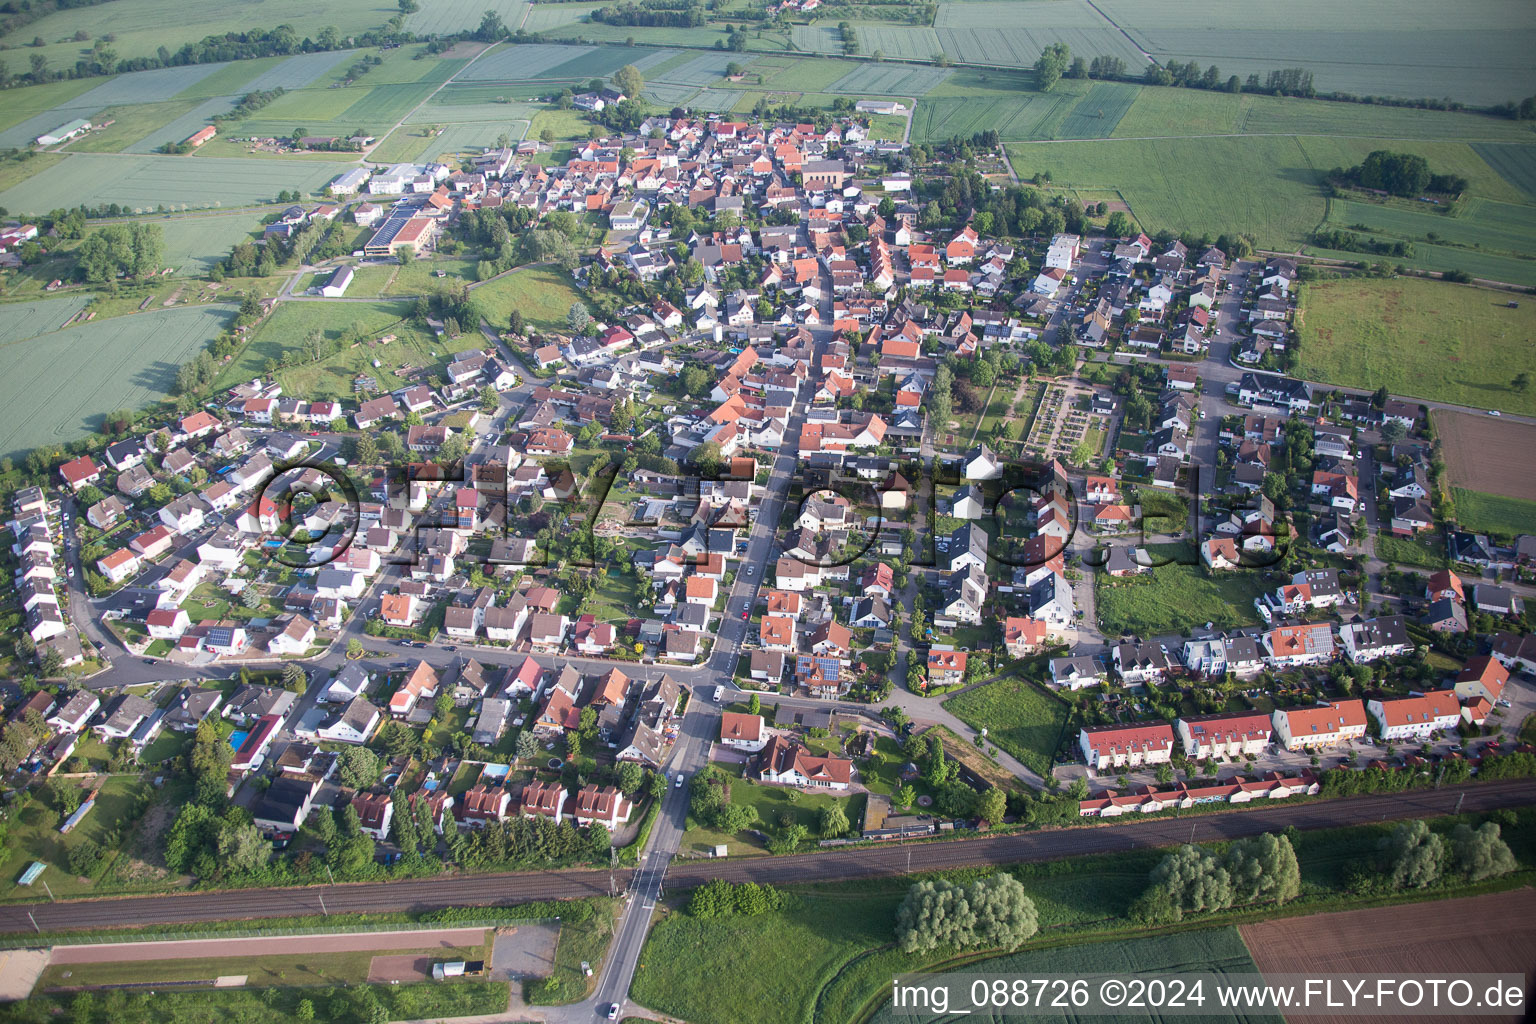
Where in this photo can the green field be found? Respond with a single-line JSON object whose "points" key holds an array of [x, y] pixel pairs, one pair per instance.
{"points": [[1424, 552], [195, 242], [1266, 187], [1172, 598], [1450, 343], [1015, 118], [144, 183], [1515, 164], [1098, 113], [542, 294], [1476, 52], [889, 80], [1494, 513], [1215, 950], [280, 1005], [59, 383], [544, 17], [445, 17], [1018, 717], [283, 333], [141, 27]]}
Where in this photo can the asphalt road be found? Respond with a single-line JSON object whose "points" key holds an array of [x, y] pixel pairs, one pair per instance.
{"points": [[836, 865]]}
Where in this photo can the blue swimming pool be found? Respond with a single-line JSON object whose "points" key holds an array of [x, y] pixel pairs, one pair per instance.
{"points": [[237, 739]]}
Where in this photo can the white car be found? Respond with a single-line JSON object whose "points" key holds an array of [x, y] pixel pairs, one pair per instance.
{"points": [[678, 784], [751, 570], [1494, 412]]}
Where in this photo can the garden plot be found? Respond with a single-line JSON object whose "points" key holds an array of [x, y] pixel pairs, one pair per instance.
{"points": [[889, 80], [59, 384]]}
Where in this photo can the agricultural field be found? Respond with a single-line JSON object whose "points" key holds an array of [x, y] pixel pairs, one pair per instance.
{"points": [[547, 17], [1515, 164], [1493, 513], [1216, 950], [542, 294], [1097, 114], [1174, 597], [550, 62], [1487, 455], [195, 242], [1018, 717], [445, 17], [1015, 118], [59, 383], [133, 89], [1425, 339], [179, 128], [889, 80], [1266, 187], [413, 353], [1476, 52], [1492, 932], [141, 27], [705, 69], [144, 183]]}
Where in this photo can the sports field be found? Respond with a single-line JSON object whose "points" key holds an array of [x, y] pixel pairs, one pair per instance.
{"points": [[59, 383], [1444, 342], [1476, 52], [144, 183]]}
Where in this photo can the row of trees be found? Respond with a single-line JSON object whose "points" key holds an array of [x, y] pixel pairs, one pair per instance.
{"points": [[1399, 174]]}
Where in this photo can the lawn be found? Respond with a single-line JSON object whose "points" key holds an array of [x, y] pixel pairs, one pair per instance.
{"points": [[117, 363], [1494, 513], [1427, 339], [1177, 597], [1018, 717], [584, 933], [282, 970], [774, 806], [411, 354], [543, 295]]}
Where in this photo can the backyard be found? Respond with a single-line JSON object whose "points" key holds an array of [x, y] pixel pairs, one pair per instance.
{"points": [[1018, 716]]}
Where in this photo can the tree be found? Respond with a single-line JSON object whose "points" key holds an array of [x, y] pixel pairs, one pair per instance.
{"points": [[754, 704], [211, 758], [1412, 857], [1480, 853], [628, 80], [905, 796], [240, 844], [993, 805], [578, 317], [1392, 431], [833, 821], [294, 677], [1263, 868], [1522, 382], [527, 746], [1118, 225], [1083, 453], [630, 777], [991, 912], [599, 840], [1194, 880], [516, 324], [366, 450], [305, 1010], [1050, 66], [354, 648], [358, 767], [695, 380]]}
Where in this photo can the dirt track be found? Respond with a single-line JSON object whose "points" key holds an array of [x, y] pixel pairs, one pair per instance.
{"points": [[1488, 934], [118, 952]]}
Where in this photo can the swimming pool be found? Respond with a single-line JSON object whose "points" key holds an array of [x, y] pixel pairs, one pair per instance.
{"points": [[237, 739]]}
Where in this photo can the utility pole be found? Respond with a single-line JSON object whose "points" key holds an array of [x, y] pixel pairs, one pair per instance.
{"points": [[34, 922], [1462, 796], [612, 860], [54, 899], [327, 913]]}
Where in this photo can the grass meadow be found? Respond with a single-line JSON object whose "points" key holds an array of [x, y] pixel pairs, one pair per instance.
{"points": [[1018, 716], [1494, 513], [1176, 597], [1447, 342], [542, 294]]}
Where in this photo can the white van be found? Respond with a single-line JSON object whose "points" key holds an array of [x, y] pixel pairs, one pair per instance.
{"points": [[719, 692]]}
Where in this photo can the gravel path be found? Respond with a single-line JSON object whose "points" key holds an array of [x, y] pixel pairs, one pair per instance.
{"points": [[265, 945]]}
